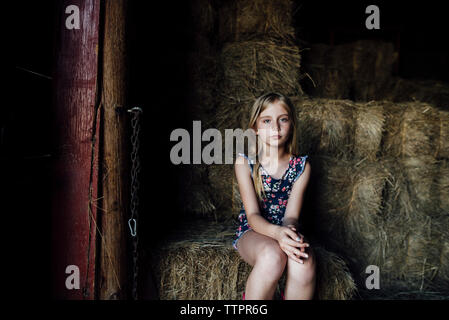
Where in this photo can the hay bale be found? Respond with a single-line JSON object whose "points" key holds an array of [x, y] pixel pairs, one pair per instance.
{"points": [[369, 126], [430, 91], [412, 193], [328, 77], [240, 19], [421, 255], [398, 200], [442, 275], [348, 212], [233, 113], [256, 66], [443, 142], [197, 271], [382, 213], [413, 255], [443, 185], [249, 69], [412, 226], [198, 262], [325, 127], [440, 241], [372, 65], [411, 129], [339, 287], [421, 172], [356, 70]]}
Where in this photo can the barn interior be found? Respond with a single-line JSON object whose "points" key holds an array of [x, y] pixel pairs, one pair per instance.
{"points": [[373, 114]]}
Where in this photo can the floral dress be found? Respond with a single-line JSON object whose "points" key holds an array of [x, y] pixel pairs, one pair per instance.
{"points": [[277, 192]]}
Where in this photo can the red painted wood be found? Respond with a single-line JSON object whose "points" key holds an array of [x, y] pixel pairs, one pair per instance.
{"points": [[75, 78]]}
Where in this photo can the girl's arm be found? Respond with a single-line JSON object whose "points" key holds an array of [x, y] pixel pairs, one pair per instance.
{"points": [[296, 198], [295, 201], [249, 199]]}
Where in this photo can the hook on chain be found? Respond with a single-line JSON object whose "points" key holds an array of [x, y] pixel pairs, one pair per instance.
{"points": [[132, 227]]}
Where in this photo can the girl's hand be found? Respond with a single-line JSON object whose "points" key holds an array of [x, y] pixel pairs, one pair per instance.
{"points": [[292, 244], [293, 227]]}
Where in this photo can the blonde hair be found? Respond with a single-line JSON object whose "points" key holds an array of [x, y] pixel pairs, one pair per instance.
{"points": [[291, 145]]}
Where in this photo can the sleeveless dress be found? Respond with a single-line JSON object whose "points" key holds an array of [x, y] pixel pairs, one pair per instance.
{"points": [[277, 193]]}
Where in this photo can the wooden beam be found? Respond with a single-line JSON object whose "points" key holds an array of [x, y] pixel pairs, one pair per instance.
{"points": [[115, 155], [75, 151]]}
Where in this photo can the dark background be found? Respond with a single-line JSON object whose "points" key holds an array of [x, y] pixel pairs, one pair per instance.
{"points": [[159, 39]]}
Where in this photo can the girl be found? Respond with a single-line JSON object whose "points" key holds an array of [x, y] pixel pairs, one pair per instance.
{"points": [[272, 191]]}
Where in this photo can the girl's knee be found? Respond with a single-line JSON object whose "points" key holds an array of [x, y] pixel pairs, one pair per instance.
{"points": [[310, 262], [302, 273], [273, 254], [273, 259]]}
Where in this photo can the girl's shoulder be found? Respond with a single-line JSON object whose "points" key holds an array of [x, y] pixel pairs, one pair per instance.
{"points": [[242, 155], [298, 165], [241, 158], [300, 159]]}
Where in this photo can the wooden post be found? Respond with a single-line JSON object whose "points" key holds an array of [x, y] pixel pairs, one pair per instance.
{"points": [[115, 155], [75, 151]]}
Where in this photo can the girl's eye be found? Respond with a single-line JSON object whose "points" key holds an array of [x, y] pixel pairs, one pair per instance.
{"points": [[264, 121], [284, 119]]}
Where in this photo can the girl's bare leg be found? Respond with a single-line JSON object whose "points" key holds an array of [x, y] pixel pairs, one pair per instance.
{"points": [[300, 284], [268, 261]]}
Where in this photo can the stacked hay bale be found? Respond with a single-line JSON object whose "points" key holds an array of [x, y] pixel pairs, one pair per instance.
{"points": [[414, 217], [358, 70], [379, 187], [362, 71], [430, 91], [325, 127], [239, 20], [195, 269], [343, 140]]}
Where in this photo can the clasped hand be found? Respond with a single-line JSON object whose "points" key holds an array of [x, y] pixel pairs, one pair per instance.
{"points": [[292, 243]]}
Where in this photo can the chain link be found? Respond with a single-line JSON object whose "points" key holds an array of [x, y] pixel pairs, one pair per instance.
{"points": [[135, 185]]}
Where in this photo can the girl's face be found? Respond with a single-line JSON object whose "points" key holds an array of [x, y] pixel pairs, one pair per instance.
{"points": [[274, 124]]}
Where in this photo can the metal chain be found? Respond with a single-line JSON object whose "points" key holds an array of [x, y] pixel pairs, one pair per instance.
{"points": [[135, 185]]}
